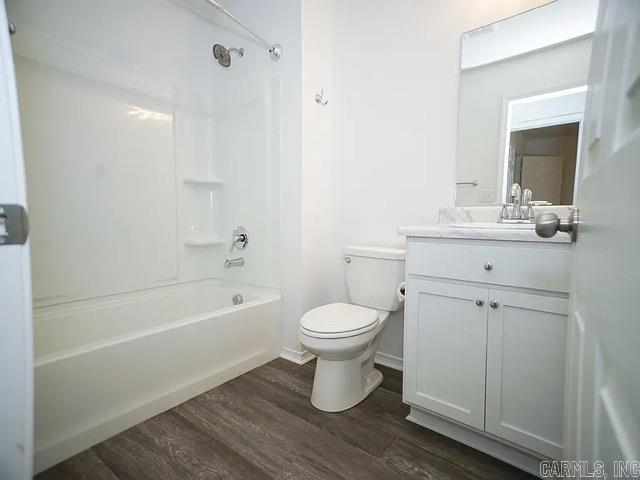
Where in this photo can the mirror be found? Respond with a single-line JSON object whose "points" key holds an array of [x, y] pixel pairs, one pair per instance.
{"points": [[521, 104]]}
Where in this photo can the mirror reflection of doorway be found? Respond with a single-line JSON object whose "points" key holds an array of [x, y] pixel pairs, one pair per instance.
{"points": [[544, 161], [542, 144]]}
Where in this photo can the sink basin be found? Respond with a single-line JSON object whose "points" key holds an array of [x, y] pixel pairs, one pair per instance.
{"points": [[496, 225]]}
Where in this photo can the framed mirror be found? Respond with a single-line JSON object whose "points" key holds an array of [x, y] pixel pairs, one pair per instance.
{"points": [[521, 104]]}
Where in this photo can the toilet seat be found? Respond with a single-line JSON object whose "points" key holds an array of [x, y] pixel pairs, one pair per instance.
{"points": [[338, 320]]}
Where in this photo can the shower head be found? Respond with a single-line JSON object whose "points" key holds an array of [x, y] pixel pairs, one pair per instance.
{"points": [[223, 54]]}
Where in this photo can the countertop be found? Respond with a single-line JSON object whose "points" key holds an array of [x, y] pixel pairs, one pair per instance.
{"points": [[440, 230], [460, 216]]}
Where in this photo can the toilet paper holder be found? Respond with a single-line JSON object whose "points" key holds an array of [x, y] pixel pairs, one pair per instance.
{"points": [[401, 290]]}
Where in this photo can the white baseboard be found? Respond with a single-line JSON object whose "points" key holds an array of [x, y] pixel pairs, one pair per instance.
{"points": [[390, 361], [478, 440], [296, 356], [108, 427]]}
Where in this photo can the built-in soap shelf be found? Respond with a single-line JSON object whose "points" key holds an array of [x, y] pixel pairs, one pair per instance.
{"points": [[204, 182], [203, 241]]}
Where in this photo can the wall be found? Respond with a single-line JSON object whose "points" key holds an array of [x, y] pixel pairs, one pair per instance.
{"points": [[484, 93], [318, 27], [305, 223], [383, 153]]}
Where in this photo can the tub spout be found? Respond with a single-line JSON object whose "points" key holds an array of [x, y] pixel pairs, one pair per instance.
{"points": [[234, 262]]}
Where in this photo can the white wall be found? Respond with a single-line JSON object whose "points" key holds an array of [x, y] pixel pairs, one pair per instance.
{"points": [[318, 27], [382, 152]]}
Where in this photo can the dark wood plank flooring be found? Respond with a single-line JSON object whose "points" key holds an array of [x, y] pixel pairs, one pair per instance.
{"points": [[262, 425]]}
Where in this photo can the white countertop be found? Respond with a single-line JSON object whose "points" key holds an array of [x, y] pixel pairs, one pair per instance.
{"points": [[440, 230], [485, 216]]}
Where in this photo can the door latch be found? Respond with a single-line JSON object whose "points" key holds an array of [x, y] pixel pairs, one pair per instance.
{"points": [[14, 225]]}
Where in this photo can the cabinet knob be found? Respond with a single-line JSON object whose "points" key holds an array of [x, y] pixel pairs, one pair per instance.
{"points": [[488, 266], [494, 304], [480, 302]]}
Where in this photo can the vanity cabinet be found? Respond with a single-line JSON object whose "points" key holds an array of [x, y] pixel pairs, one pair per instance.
{"points": [[485, 335], [446, 349], [526, 342]]}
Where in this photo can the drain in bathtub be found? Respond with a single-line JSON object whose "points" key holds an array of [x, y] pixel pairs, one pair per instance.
{"points": [[237, 299]]}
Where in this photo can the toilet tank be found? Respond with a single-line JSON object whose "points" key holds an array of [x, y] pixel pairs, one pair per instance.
{"points": [[373, 275]]}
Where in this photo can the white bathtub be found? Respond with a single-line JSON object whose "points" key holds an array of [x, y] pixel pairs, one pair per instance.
{"points": [[105, 364]]}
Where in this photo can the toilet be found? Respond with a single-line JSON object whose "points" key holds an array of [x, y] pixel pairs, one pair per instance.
{"points": [[345, 336]]}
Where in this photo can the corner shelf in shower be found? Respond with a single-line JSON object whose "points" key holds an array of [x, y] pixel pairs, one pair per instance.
{"points": [[203, 241], [204, 182]]}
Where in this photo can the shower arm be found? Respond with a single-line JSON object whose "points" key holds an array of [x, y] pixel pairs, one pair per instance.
{"points": [[274, 49]]}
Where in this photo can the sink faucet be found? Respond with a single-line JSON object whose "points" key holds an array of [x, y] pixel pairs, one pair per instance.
{"points": [[516, 199], [518, 213], [527, 210]]}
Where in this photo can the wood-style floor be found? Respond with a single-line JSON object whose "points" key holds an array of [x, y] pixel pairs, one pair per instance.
{"points": [[262, 425]]}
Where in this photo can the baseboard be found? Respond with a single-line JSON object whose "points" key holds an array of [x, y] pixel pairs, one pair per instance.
{"points": [[67, 447], [390, 361], [478, 440], [296, 356]]}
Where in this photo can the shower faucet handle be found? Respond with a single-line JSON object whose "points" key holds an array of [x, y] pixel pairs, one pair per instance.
{"points": [[239, 238]]}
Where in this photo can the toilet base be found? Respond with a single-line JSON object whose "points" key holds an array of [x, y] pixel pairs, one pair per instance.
{"points": [[341, 384], [373, 381], [344, 370]]}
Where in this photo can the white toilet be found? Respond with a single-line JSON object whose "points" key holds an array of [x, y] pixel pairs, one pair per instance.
{"points": [[345, 336]]}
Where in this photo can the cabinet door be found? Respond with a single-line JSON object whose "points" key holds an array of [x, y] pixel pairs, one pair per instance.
{"points": [[525, 370], [445, 349]]}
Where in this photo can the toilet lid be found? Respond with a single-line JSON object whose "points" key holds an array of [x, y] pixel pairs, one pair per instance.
{"points": [[339, 319]]}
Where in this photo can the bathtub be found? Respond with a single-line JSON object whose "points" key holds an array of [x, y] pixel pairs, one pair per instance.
{"points": [[103, 365]]}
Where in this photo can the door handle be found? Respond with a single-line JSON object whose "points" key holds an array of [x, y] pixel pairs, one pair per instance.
{"points": [[494, 304], [548, 224], [14, 225]]}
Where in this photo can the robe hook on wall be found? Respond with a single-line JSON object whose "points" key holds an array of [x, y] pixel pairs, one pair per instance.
{"points": [[320, 100]]}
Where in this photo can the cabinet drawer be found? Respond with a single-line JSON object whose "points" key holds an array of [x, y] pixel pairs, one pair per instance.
{"points": [[540, 268]]}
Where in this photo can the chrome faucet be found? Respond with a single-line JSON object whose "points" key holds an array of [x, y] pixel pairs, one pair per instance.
{"points": [[504, 213], [516, 200], [518, 213], [239, 238], [234, 262], [527, 210]]}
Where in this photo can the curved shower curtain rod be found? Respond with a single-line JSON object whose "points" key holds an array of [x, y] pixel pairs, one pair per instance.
{"points": [[274, 49]]}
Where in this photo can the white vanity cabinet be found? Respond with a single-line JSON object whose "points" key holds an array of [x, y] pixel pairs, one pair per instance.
{"points": [[446, 349], [526, 343], [485, 336]]}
